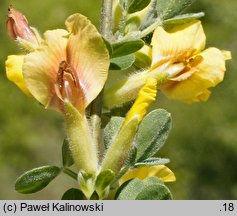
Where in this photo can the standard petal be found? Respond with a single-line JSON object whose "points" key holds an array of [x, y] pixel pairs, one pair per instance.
{"points": [[14, 71], [160, 171], [181, 39], [87, 54], [194, 89], [41, 66]]}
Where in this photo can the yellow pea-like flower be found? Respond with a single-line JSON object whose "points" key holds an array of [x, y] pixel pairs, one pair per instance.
{"points": [[68, 65], [192, 70], [183, 68]]}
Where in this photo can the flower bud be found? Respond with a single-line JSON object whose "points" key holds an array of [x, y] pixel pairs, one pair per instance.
{"points": [[18, 27]]}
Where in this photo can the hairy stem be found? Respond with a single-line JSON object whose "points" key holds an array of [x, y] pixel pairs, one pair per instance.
{"points": [[106, 19], [96, 106]]}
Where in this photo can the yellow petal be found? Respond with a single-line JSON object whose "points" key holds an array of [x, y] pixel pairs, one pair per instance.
{"points": [[14, 71], [88, 55], [159, 171], [180, 39], [145, 97], [41, 66], [227, 54], [194, 88], [185, 75], [212, 68]]}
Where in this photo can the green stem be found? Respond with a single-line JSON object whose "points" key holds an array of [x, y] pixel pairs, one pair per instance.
{"points": [[150, 28], [70, 173], [106, 19], [96, 106]]}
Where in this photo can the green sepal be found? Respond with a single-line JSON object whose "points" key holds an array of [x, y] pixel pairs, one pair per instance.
{"points": [[122, 63], [152, 161], [126, 47], [152, 133], [66, 154], [167, 9], [150, 188], [86, 183], [73, 194], [184, 18], [26, 45], [36, 179], [111, 129], [94, 196], [102, 183], [80, 139]]}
